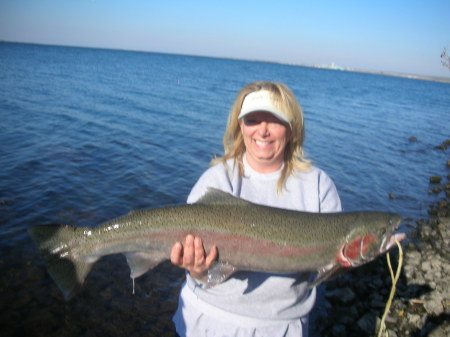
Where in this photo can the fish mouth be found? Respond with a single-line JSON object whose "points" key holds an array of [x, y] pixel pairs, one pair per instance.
{"points": [[391, 241], [390, 238]]}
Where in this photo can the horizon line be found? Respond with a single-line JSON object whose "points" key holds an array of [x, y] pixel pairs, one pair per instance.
{"points": [[332, 66]]}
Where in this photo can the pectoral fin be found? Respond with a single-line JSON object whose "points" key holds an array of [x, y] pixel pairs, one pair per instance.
{"points": [[142, 262], [218, 273], [328, 272]]}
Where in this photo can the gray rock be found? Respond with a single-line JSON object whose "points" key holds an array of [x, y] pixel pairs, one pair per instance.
{"points": [[413, 257], [414, 320], [342, 295], [433, 304], [367, 323], [439, 332], [391, 333], [426, 266], [339, 330]]}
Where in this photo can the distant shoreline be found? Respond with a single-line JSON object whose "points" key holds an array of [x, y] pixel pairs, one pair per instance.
{"points": [[325, 67], [383, 73], [413, 77]]}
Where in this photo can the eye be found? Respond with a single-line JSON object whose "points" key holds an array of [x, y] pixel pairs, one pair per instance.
{"points": [[251, 121]]}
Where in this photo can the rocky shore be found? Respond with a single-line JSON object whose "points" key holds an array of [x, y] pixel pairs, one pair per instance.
{"points": [[353, 304]]}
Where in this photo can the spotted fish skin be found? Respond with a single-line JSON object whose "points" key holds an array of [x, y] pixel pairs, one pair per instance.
{"points": [[249, 237]]}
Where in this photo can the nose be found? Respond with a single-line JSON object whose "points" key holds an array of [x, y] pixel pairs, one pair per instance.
{"points": [[263, 129]]}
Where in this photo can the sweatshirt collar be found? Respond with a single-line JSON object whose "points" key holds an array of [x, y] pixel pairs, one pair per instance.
{"points": [[250, 172]]}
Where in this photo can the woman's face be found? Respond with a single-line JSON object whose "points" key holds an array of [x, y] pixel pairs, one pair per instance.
{"points": [[265, 138]]}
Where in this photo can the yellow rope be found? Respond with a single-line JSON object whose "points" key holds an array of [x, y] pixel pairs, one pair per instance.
{"points": [[394, 282]]}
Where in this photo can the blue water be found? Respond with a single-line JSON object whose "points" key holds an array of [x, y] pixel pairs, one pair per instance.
{"points": [[88, 134]]}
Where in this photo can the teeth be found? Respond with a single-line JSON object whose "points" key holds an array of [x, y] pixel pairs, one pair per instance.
{"points": [[258, 142]]}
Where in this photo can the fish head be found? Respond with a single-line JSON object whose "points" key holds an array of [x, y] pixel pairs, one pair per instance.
{"points": [[372, 236]]}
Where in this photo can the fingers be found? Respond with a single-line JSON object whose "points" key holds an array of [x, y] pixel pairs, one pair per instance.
{"points": [[212, 256], [189, 252], [199, 252], [176, 254], [192, 256]]}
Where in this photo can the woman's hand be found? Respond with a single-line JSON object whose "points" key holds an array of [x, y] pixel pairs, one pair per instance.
{"points": [[193, 257]]}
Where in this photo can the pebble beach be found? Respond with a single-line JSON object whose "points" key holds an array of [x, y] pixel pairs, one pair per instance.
{"points": [[353, 304]]}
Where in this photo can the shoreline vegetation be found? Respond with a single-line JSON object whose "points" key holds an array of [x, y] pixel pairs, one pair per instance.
{"points": [[332, 66], [353, 304]]}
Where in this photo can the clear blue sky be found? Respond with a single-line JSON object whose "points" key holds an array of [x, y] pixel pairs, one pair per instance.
{"points": [[379, 35]]}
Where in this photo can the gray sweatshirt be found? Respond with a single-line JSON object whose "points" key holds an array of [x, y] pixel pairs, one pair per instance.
{"points": [[251, 295]]}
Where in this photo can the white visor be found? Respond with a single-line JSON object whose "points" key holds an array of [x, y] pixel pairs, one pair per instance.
{"points": [[261, 101]]}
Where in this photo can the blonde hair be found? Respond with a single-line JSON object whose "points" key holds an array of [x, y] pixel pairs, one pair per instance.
{"points": [[284, 99]]}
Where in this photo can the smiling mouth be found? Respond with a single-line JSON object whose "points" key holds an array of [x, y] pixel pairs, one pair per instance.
{"points": [[261, 143]]}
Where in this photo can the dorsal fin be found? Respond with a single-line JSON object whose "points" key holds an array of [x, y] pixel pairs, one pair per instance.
{"points": [[213, 196]]}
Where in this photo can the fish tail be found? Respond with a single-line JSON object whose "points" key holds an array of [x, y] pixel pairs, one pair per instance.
{"points": [[68, 271]]}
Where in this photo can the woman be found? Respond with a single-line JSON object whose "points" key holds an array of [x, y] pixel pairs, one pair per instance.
{"points": [[263, 163]]}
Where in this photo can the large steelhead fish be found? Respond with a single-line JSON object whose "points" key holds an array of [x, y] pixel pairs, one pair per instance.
{"points": [[249, 237]]}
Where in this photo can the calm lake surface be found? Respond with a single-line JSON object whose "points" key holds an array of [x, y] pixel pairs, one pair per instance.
{"points": [[86, 135]]}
